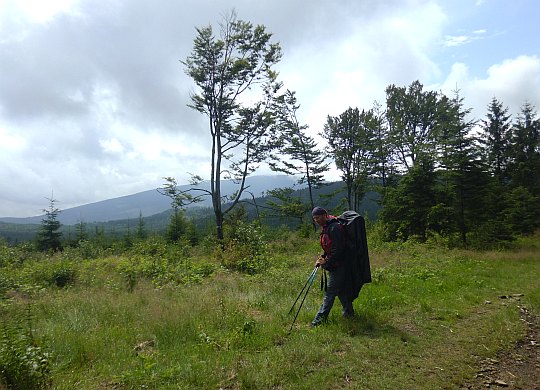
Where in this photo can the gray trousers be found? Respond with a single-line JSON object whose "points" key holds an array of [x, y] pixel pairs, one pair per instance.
{"points": [[335, 288]]}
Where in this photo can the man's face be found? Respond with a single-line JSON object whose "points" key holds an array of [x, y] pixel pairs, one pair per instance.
{"points": [[320, 219]]}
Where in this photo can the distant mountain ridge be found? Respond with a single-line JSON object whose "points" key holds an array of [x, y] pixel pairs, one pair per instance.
{"points": [[151, 202]]}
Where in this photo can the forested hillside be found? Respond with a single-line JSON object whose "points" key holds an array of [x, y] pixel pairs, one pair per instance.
{"points": [[261, 208]]}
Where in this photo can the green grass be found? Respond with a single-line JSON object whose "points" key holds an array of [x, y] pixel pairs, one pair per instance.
{"points": [[422, 323]]}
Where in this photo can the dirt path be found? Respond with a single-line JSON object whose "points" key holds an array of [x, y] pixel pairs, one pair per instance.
{"points": [[518, 368]]}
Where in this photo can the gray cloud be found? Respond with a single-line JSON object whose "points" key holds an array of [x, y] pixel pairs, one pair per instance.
{"points": [[93, 100]]}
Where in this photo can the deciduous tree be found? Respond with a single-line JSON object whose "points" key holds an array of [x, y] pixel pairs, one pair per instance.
{"points": [[300, 154], [236, 87], [413, 119], [351, 139]]}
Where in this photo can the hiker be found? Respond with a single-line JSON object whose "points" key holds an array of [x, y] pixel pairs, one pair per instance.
{"points": [[333, 260]]}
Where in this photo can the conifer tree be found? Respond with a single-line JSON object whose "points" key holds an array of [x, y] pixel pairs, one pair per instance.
{"points": [[465, 177], [49, 235], [407, 207], [80, 231], [525, 151], [495, 140], [141, 231]]}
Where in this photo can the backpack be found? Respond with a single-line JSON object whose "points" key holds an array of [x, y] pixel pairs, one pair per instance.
{"points": [[359, 273]]}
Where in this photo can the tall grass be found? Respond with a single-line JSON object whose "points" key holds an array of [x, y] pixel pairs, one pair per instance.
{"points": [[422, 322]]}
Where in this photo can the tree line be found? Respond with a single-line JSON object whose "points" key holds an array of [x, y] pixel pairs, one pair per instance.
{"points": [[438, 171]]}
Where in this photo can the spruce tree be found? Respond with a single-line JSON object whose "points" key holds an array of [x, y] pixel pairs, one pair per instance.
{"points": [[80, 231], [141, 231], [464, 175], [525, 151], [495, 140], [407, 207], [49, 235]]}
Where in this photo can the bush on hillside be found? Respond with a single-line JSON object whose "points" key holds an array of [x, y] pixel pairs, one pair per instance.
{"points": [[24, 364], [246, 249]]}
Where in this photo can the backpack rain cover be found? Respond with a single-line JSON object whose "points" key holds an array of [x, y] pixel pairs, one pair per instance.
{"points": [[357, 248]]}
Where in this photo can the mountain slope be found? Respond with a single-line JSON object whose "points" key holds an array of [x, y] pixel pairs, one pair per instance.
{"points": [[150, 202]]}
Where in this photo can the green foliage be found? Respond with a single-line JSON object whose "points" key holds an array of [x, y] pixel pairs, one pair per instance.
{"points": [[524, 165], [246, 249], [177, 226], [163, 264], [51, 271], [424, 312], [352, 140], [496, 140], [237, 61], [406, 209], [287, 205], [306, 229], [414, 118], [301, 155], [494, 234], [86, 249], [522, 212], [24, 363]]}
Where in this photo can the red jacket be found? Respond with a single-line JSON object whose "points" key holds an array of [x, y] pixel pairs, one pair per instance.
{"points": [[333, 243]]}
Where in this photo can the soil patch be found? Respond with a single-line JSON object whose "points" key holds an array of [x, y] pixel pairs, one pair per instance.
{"points": [[518, 368]]}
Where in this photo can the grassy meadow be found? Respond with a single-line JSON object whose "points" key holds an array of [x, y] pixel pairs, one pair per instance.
{"points": [[167, 316]]}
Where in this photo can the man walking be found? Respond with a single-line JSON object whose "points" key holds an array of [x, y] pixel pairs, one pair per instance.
{"points": [[333, 242]]}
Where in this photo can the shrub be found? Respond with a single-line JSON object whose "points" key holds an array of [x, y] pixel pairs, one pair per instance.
{"points": [[246, 249], [16, 255], [162, 263], [51, 272], [89, 250], [62, 277], [23, 363]]}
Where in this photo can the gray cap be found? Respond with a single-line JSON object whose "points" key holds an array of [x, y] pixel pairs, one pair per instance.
{"points": [[318, 211]]}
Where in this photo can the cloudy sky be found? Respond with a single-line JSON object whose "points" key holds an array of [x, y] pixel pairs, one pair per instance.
{"points": [[93, 96]]}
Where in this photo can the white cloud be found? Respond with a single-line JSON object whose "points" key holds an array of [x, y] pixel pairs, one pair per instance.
{"points": [[111, 146], [10, 143], [513, 81], [459, 40], [456, 40], [37, 11], [389, 47]]}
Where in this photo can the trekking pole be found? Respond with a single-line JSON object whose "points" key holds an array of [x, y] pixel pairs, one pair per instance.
{"points": [[310, 281], [303, 288]]}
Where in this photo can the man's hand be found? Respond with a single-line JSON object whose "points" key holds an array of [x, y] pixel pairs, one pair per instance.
{"points": [[320, 261]]}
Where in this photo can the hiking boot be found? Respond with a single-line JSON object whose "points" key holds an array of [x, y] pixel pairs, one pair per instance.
{"points": [[348, 314], [317, 321]]}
